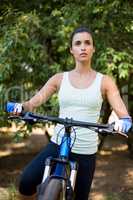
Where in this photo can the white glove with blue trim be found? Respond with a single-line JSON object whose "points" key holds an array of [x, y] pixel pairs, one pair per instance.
{"points": [[123, 125], [18, 107]]}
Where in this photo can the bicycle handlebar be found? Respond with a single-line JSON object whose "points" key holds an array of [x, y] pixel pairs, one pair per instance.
{"points": [[67, 122]]}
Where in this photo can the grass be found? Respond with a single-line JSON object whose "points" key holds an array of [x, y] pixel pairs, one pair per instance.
{"points": [[12, 192], [112, 196], [9, 193]]}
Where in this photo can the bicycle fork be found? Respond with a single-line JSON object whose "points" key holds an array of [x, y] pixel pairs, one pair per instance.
{"points": [[73, 169], [73, 173]]}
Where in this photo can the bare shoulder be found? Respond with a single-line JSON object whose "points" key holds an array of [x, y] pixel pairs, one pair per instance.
{"points": [[108, 84], [56, 79], [107, 80]]}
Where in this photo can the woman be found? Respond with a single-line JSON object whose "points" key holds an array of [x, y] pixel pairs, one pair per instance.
{"points": [[81, 92]]}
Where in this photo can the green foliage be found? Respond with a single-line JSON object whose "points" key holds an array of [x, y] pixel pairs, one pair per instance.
{"points": [[118, 63], [34, 43], [19, 48]]}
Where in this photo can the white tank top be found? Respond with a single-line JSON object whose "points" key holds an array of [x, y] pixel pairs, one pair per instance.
{"points": [[80, 104]]}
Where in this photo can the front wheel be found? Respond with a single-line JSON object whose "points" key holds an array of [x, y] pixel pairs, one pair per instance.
{"points": [[54, 190]]}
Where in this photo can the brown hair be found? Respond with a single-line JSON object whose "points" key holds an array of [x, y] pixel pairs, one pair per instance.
{"points": [[79, 30]]}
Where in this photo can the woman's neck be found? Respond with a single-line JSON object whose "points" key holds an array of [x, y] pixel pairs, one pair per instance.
{"points": [[83, 68]]}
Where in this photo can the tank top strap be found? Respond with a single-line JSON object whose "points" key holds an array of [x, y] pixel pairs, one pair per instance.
{"points": [[65, 76], [65, 81], [98, 79]]}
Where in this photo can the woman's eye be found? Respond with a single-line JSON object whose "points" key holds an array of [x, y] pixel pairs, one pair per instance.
{"points": [[77, 43], [87, 42]]}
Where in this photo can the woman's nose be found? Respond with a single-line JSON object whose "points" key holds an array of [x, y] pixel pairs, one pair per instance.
{"points": [[83, 47]]}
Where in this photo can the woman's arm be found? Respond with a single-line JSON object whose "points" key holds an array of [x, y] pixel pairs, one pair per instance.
{"points": [[45, 92], [111, 92]]}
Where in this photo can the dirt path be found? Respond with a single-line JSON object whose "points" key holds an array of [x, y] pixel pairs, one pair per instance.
{"points": [[114, 172]]}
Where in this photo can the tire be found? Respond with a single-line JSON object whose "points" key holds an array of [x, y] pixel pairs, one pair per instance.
{"points": [[53, 191]]}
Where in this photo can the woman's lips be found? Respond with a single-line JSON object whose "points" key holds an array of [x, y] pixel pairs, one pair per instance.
{"points": [[83, 54]]}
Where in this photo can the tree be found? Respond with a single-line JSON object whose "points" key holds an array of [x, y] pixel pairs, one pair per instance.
{"points": [[34, 43]]}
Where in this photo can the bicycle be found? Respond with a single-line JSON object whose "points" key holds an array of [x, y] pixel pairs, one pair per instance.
{"points": [[59, 183]]}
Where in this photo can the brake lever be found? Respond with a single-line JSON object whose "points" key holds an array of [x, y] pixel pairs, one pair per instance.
{"points": [[123, 134], [109, 130], [116, 132], [106, 131], [13, 117], [25, 117]]}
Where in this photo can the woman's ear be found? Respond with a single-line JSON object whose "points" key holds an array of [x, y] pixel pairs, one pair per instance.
{"points": [[94, 49], [71, 50]]}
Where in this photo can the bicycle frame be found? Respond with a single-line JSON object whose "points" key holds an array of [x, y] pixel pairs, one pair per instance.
{"points": [[62, 161]]}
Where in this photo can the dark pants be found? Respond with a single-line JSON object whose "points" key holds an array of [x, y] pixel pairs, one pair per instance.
{"points": [[33, 173]]}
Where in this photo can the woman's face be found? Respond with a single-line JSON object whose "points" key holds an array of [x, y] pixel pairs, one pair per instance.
{"points": [[82, 47]]}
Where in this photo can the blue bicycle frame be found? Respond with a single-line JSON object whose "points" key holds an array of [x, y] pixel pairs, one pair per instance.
{"points": [[62, 161]]}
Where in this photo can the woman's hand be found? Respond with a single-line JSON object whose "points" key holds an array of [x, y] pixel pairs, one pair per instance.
{"points": [[18, 108], [123, 125], [14, 108]]}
